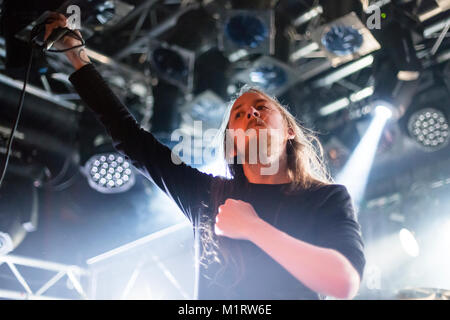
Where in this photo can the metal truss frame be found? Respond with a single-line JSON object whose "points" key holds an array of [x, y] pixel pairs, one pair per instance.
{"points": [[100, 263], [96, 265], [73, 273]]}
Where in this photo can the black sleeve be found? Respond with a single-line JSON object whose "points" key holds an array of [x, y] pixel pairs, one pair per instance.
{"points": [[185, 185], [337, 226]]}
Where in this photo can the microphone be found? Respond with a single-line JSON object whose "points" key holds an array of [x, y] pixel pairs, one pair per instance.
{"points": [[56, 34], [38, 33]]}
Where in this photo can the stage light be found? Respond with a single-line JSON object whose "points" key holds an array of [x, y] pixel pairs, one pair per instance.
{"points": [[383, 112], [246, 30], [109, 173], [429, 129], [345, 39], [342, 40], [267, 73], [409, 242], [268, 76]]}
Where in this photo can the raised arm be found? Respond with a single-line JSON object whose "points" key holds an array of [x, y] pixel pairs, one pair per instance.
{"points": [[187, 186]]}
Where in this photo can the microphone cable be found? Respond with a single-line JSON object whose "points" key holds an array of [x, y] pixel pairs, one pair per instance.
{"points": [[5, 161]]}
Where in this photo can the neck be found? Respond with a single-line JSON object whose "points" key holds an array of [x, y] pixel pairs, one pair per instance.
{"points": [[253, 172]]}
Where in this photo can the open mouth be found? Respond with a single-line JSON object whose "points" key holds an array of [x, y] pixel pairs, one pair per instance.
{"points": [[256, 123]]}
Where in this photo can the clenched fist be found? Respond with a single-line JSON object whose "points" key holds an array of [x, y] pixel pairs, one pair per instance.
{"points": [[235, 219]]}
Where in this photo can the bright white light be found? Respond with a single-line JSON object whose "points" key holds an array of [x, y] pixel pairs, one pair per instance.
{"points": [[106, 176], [356, 171], [303, 51], [446, 232], [345, 71], [409, 242], [139, 242], [383, 112], [429, 128], [237, 55], [361, 94], [218, 167], [334, 106], [344, 102]]}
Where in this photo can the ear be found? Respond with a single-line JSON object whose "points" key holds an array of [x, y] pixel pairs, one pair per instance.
{"points": [[291, 133]]}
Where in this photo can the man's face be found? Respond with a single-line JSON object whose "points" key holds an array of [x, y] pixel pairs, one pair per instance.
{"points": [[253, 111]]}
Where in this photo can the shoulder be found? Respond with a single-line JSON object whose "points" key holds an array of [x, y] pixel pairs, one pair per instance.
{"points": [[329, 193], [333, 199]]}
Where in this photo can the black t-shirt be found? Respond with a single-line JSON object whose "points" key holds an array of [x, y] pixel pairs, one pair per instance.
{"points": [[228, 268]]}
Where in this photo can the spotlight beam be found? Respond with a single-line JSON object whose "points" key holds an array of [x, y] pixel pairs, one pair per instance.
{"points": [[355, 173]]}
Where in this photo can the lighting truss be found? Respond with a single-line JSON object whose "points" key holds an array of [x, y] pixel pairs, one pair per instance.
{"points": [[73, 273], [133, 258]]}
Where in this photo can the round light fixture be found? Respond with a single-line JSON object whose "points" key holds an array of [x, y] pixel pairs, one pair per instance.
{"points": [[246, 30], [109, 173], [342, 40], [429, 129]]}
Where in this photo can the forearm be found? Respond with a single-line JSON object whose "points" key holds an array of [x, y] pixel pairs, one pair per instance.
{"points": [[147, 154], [78, 57], [323, 270]]}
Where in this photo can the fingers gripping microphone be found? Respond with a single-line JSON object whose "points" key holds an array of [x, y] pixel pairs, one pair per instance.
{"points": [[56, 34], [38, 33], [39, 29]]}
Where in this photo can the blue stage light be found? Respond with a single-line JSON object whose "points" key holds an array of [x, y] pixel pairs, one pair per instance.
{"points": [[246, 30], [342, 40], [268, 76]]}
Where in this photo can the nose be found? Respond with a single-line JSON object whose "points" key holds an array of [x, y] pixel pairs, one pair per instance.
{"points": [[254, 112]]}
